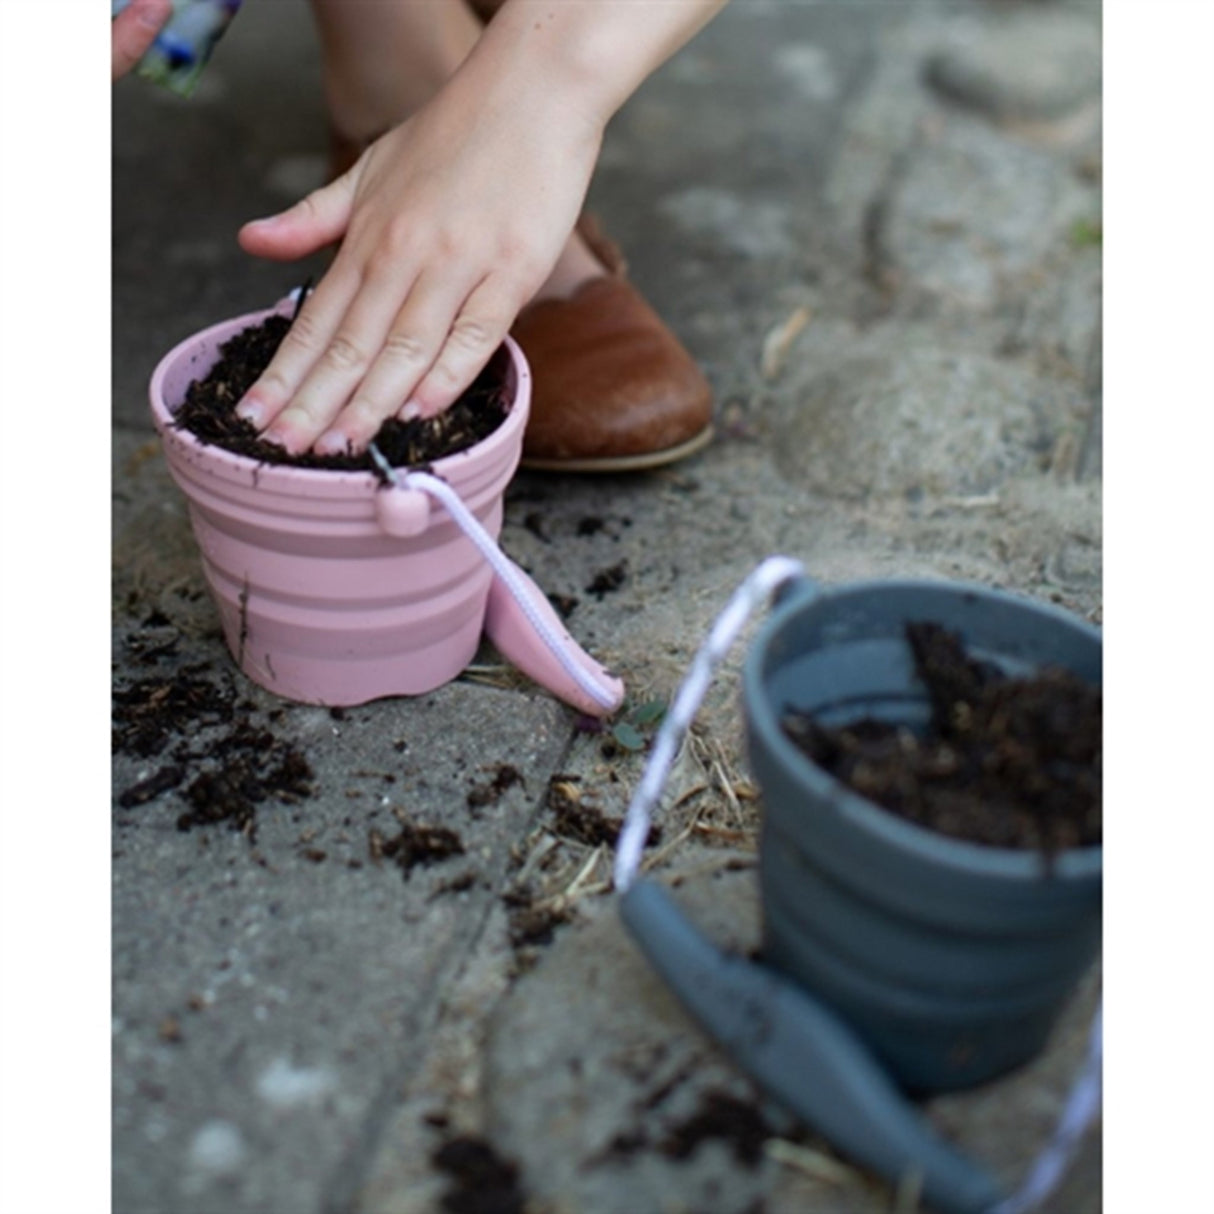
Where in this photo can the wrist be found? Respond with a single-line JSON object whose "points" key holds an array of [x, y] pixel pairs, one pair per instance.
{"points": [[587, 58]]}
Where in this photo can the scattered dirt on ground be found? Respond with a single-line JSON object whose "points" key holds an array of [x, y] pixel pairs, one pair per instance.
{"points": [[254, 766], [241, 764], [592, 524], [608, 581], [208, 410], [505, 777], [158, 638], [721, 1116], [149, 711], [532, 925], [572, 818], [169, 1030], [624, 1145], [563, 604], [161, 780], [534, 522], [481, 1181], [415, 843], [456, 885], [1006, 762]]}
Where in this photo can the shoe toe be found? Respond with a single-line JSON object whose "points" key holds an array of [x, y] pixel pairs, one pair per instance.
{"points": [[611, 385]]}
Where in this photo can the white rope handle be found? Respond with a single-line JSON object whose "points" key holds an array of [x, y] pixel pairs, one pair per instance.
{"points": [[1084, 1100], [1081, 1109], [764, 581], [427, 482]]}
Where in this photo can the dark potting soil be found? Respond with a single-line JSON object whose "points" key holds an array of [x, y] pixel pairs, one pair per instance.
{"points": [[148, 712], [535, 925], [504, 778], [572, 818], [1006, 762], [481, 1181], [416, 843], [723, 1117], [608, 581], [243, 764], [254, 766], [209, 411]]}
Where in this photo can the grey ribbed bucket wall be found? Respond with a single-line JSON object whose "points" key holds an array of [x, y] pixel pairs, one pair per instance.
{"points": [[951, 960]]}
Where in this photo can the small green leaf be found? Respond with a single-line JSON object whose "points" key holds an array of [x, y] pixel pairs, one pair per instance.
{"points": [[627, 737], [649, 713]]}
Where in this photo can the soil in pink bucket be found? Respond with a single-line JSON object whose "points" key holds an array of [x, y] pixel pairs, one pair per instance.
{"points": [[209, 410]]}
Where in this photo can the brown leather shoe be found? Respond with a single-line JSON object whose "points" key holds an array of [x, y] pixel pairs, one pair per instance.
{"points": [[612, 389]]}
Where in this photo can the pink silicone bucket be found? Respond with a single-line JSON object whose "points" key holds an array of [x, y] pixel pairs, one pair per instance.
{"points": [[331, 588]]}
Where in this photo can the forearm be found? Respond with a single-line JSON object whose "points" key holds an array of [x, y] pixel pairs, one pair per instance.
{"points": [[590, 55]]}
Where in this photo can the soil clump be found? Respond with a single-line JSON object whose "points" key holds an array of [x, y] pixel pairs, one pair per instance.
{"points": [[416, 843], [1006, 762], [573, 818], [482, 1182], [723, 1117]]}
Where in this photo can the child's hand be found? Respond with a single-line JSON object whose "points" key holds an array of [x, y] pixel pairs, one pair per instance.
{"points": [[134, 30], [448, 225]]}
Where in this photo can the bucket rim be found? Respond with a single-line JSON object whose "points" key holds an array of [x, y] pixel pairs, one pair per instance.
{"points": [[285, 477]]}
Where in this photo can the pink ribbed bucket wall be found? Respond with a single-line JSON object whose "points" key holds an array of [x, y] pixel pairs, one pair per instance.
{"points": [[323, 596]]}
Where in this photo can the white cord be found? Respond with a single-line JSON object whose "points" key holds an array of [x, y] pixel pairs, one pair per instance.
{"points": [[1081, 1109], [426, 482], [773, 573]]}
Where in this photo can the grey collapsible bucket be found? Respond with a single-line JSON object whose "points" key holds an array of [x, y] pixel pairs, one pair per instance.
{"points": [[894, 959]]}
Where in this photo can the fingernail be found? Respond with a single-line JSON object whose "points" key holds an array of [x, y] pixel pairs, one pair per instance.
{"points": [[409, 410], [153, 16], [276, 437], [331, 443], [251, 412]]}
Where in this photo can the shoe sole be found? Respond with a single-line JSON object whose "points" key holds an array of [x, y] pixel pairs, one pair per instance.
{"points": [[623, 463]]}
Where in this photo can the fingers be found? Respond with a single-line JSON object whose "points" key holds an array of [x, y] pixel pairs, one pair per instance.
{"points": [[134, 30], [334, 395], [407, 351], [318, 220], [478, 330], [308, 340], [424, 365]]}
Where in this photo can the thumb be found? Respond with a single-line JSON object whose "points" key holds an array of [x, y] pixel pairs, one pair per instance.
{"points": [[315, 221], [134, 29]]}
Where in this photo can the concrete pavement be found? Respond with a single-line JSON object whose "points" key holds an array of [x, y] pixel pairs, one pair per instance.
{"points": [[878, 227]]}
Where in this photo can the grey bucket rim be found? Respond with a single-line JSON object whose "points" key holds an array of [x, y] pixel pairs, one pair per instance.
{"points": [[886, 828]]}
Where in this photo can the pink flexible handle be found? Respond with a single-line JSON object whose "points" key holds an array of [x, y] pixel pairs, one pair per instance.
{"points": [[518, 641]]}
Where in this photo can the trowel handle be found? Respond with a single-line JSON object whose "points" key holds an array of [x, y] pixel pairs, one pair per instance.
{"points": [[803, 1055], [527, 632]]}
